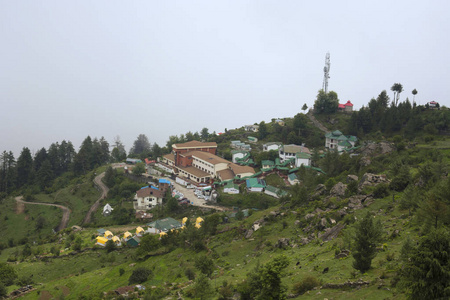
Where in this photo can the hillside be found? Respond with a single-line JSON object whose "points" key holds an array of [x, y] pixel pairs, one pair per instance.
{"points": [[302, 245]]}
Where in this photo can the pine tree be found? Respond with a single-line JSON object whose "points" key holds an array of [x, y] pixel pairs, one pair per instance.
{"points": [[368, 234]]}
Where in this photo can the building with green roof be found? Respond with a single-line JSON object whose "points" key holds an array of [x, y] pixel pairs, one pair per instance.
{"points": [[274, 192], [164, 225], [340, 142]]}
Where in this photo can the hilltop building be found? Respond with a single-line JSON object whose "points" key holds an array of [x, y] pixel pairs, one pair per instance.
{"points": [[336, 140]]}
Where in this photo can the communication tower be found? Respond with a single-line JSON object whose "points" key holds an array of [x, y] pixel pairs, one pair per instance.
{"points": [[326, 73]]}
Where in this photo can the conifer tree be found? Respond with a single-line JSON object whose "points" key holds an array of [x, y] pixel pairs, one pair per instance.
{"points": [[368, 234]]}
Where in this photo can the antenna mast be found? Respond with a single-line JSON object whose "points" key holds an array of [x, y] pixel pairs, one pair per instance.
{"points": [[326, 73]]}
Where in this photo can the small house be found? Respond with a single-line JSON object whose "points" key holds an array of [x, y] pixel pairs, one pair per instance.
{"points": [[107, 210], [164, 225], [337, 141], [116, 241], [198, 222], [267, 164], [231, 188], [251, 128], [274, 192], [134, 241], [280, 122], [272, 146], [293, 179], [255, 184], [302, 158], [133, 161], [139, 231], [101, 241], [101, 231], [126, 236], [108, 234], [252, 139]]}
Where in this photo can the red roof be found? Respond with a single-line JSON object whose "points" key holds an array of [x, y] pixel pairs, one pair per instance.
{"points": [[149, 161], [341, 106], [433, 102], [348, 103]]}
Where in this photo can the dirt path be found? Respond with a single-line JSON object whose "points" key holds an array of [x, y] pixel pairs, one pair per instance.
{"points": [[316, 122], [104, 189], [66, 211]]}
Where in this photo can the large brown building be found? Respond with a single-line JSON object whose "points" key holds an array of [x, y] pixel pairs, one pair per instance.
{"points": [[198, 162]]}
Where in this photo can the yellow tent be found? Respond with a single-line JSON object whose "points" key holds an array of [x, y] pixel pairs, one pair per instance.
{"points": [[108, 234], [183, 222], [116, 240], [162, 233], [139, 230], [127, 235], [101, 241], [199, 220]]}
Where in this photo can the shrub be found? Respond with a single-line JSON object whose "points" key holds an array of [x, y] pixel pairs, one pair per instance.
{"points": [[381, 191], [190, 274], [307, 283], [139, 275], [121, 271]]}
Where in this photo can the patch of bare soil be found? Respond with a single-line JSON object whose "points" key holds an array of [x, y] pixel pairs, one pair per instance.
{"points": [[27, 217], [65, 290], [20, 207], [45, 295]]}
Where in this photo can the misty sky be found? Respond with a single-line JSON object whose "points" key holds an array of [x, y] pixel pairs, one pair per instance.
{"points": [[69, 69]]}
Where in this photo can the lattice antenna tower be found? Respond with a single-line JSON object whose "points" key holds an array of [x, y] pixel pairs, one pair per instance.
{"points": [[326, 73]]}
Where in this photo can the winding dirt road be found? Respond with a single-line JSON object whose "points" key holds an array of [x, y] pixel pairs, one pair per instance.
{"points": [[104, 189], [66, 211]]}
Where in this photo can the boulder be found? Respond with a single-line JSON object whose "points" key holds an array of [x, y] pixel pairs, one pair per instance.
{"points": [[332, 233], [282, 243], [370, 179], [304, 241], [309, 216], [320, 190], [343, 254], [338, 190], [322, 224], [249, 233], [351, 178]]}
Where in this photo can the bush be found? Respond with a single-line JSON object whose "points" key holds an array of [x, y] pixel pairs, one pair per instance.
{"points": [[121, 271], [190, 274], [307, 284], [381, 191], [140, 275]]}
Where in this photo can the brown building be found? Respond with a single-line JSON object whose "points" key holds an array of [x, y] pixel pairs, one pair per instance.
{"points": [[177, 149]]}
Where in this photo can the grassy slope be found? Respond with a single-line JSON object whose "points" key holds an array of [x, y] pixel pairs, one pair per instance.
{"points": [[92, 272]]}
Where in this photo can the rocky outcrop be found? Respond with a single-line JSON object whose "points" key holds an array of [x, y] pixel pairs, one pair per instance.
{"points": [[282, 243], [320, 190], [370, 179], [338, 190], [359, 201], [351, 178], [343, 254], [331, 233]]}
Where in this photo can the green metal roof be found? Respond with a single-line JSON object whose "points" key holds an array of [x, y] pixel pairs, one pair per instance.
{"points": [[165, 224], [267, 163], [303, 155], [255, 183], [292, 176]]}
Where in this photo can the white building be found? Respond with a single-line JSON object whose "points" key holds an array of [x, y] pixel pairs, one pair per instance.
{"points": [[146, 198], [287, 152], [272, 146]]}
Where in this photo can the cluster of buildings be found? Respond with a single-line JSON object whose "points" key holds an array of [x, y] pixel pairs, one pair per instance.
{"points": [[196, 163], [103, 236]]}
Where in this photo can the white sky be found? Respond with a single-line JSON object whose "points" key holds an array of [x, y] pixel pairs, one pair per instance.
{"points": [[69, 69]]}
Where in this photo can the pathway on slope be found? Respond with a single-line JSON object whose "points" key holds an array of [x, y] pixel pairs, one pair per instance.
{"points": [[316, 122], [66, 211], [104, 189]]}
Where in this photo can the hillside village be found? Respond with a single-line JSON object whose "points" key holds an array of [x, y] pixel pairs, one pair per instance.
{"points": [[223, 205]]}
